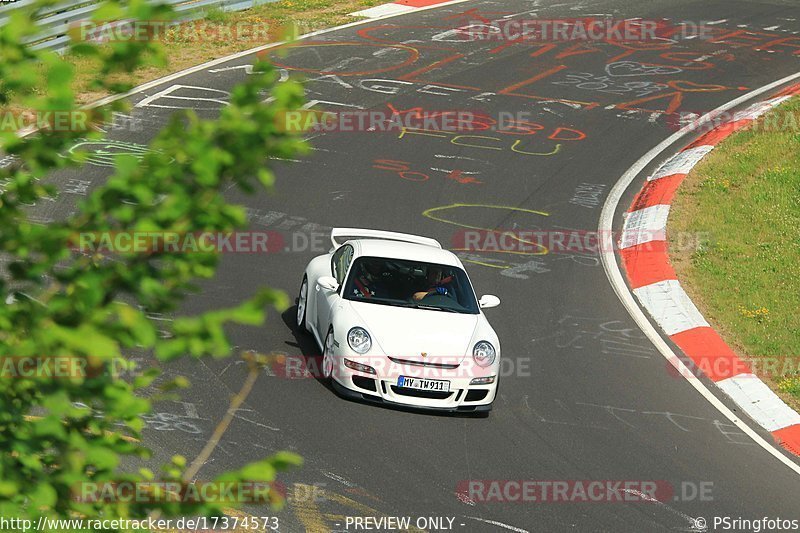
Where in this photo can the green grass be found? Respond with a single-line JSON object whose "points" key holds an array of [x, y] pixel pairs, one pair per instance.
{"points": [[216, 14], [746, 280]]}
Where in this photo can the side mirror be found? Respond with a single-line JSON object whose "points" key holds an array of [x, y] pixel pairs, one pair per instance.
{"points": [[488, 300], [328, 283]]}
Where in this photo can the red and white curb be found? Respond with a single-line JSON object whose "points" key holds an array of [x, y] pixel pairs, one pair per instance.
{"points": [[396, 8], [643, 250]]}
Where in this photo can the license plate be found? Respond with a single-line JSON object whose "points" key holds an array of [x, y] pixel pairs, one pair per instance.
{"points": [[423, 384]]}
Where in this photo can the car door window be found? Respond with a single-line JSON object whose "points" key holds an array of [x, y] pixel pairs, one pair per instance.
{"points": [[341, 262]]}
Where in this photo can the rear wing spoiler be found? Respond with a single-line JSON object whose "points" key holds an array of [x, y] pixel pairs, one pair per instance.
{"points": [[341, 235]]}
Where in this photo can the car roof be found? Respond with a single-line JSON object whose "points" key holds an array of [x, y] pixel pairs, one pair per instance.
{"points": [[404, 250]]}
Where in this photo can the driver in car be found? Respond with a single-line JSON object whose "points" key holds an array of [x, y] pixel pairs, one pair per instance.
{"points": [[438, 283], [368, 283]]}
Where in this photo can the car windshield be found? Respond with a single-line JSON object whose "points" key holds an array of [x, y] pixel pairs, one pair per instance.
{"points": [[404, 283]]}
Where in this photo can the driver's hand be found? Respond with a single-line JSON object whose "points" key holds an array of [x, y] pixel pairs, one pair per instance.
{"points": [[420, 295]]}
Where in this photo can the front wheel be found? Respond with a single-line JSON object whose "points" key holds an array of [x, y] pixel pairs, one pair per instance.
{"points": [[327, 355], [302, 304]]}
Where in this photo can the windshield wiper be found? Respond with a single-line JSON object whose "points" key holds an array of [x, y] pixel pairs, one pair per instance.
{"points": [[435, 308]]}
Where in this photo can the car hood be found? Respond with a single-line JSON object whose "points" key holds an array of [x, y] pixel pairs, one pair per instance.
{"points": [[407, 333]]}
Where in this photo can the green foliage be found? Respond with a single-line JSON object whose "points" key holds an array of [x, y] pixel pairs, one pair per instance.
{"points": [[95, 308]]}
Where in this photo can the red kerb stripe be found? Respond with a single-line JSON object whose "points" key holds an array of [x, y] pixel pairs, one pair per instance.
{"points": [[647, 263], [789, 438], [708, 351], [659, 191], [718, 134]]}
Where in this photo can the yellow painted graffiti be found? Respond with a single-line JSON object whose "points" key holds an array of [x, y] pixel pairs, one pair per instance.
{"points": [[433, 214], [306, 510], [457, 140], [483, 142], [554, 152], [482, 263]]}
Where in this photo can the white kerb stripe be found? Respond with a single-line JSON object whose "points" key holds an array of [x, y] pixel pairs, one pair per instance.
{"points": [[760, 108], [773, 102], [383, 11], [670, 307], [759, 402], [752, 112], [645, 225], [682, 162]]}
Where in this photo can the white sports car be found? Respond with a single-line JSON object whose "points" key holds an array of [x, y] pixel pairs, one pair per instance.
{"points": [[397, 321]]}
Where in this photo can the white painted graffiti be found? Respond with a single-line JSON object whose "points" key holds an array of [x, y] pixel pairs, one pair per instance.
{"points": [[102, 153], [588, 195], [634, 68], [607, 84], [613, 336], [77, 186], [187, 97]]}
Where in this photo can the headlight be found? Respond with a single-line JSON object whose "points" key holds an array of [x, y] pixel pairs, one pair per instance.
{"points": [[484, 354], [359, 340]]}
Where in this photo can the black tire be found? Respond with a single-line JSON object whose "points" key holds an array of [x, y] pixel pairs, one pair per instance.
{"points": [[300, 315], [329, 376]]}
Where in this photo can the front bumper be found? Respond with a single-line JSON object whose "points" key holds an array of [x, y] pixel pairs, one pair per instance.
{"points": [[382, 388]]}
